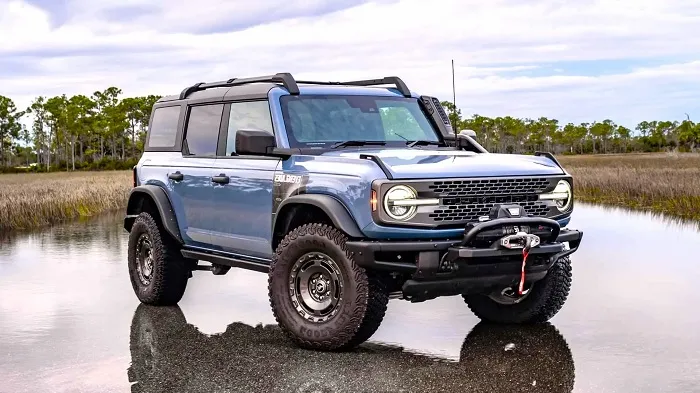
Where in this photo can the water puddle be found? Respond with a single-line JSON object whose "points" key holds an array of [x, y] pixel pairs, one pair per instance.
{"points": [[69, 322]]}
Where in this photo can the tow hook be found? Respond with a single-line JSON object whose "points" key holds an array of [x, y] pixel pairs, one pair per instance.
{"points": [[525, 241]]}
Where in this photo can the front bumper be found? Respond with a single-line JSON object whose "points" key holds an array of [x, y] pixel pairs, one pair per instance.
{"points": [[475, 263]]}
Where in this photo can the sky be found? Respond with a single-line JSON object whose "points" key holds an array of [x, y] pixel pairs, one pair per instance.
{"points": [[577, 61]]}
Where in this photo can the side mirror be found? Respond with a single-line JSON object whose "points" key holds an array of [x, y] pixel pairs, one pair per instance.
{"points": [[464, 141], [254, 142], [468, 132]]}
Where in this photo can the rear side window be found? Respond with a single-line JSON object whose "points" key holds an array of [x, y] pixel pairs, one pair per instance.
{"points": [[163, 127], [202, 132]]}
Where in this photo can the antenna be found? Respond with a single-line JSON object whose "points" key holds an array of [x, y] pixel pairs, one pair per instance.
{"points": [[454, 100]]}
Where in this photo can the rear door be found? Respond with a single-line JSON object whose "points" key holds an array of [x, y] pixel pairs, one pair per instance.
{"points": [[243, 201], [190, 177]]}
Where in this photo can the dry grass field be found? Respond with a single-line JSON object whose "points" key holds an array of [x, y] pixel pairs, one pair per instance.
{"points": [[35, 200], [664, 183], [659, 182]]}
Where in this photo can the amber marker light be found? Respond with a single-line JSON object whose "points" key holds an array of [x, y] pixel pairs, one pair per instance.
{"points": [[373, 201]]}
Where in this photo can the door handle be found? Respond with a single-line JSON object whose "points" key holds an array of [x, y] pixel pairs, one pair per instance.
{"points": [[177, 176], [221, 179]]}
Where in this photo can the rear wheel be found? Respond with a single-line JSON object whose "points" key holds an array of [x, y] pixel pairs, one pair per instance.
{"points": [[157, 270], [540, 301], [320, 297]]}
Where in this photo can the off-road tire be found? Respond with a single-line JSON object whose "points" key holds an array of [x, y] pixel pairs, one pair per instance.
{"points": [[170, 268], [546, 299], [365, 294]]}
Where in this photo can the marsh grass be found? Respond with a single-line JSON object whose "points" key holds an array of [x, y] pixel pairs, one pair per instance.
{"points": [[35, 200], [663, 183]]}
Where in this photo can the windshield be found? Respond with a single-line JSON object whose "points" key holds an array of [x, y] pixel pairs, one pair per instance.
{"points": [[322, 121]]}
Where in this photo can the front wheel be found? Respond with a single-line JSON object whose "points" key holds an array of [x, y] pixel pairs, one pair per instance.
{"points": [[319, 296], [541, 301]]}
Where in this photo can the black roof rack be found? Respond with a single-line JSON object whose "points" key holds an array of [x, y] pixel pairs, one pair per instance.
{"points": [[389, 80], [284, 78], [291, 84]]}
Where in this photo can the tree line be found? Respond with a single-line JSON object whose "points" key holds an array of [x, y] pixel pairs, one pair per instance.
{"points": [[107, 131], [101, 131], [513, 135]]}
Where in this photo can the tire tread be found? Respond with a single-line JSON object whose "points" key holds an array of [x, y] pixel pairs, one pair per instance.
{"points": [[370, 301], [170, 270], [546, 302]]}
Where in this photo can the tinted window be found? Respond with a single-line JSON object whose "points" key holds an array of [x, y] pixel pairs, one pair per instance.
{"points": [[247, 115], [163, 127], [315, 120], [202, 132]]}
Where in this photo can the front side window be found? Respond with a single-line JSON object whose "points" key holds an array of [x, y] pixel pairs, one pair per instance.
{"points": [[315, 120], [202, 132], [250, 115]]}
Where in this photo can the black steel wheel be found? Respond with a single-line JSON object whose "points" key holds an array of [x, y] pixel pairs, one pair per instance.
{"points": [[144, 258], [316, 286], [158, 271], [319, 296]]}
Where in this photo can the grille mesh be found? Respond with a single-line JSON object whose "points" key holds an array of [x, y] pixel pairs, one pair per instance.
{"points": [[469, 199], [474, 211], [489, 186]]}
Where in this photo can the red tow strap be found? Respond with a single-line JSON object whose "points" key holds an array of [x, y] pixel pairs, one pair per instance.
{"points": [[526, 251]]}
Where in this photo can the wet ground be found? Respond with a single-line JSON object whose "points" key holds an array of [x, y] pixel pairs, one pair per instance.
{"points": [[69, 322]]}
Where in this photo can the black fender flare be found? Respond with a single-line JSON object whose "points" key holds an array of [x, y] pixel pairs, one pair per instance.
{"points": [[161, 201], [334, 209]]}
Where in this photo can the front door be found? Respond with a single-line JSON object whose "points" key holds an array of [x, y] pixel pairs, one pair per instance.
{"points": [[243, 196]]}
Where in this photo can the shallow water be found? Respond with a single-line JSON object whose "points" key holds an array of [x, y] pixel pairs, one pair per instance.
{"points": [[69, 322]]}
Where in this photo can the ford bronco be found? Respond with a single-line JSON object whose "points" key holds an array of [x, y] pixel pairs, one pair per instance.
{"points": [[346, 194]]}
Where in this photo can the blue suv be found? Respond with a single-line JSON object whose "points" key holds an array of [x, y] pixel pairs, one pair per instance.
{"points": [[346, 194]]}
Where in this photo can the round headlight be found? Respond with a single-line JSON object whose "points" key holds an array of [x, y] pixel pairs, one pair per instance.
{"points": [[395, 210], [564, 188]]}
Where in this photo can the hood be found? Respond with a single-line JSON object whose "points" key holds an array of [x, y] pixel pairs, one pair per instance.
{"points": [[418, 164]]}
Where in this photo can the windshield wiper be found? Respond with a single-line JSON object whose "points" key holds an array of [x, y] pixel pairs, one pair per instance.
{"points": [[422, 143], [357, 143]]}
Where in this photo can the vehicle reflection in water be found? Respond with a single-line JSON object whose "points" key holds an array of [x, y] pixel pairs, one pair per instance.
{"points": [[66, 305], [168, 354]]}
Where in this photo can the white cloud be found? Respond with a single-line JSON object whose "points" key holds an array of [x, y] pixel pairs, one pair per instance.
{"points": [[631, 59]]}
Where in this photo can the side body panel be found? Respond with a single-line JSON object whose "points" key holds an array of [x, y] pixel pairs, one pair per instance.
{"points": [[344, 180], [241, 220], [189, 197]]}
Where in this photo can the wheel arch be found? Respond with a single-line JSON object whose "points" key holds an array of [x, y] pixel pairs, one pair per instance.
{"points": [[296, 210], [153, 199]]}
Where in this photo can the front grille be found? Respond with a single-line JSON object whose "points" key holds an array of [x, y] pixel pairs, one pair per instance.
{"points": [[533, 185], [467, 200], [473, 212]]}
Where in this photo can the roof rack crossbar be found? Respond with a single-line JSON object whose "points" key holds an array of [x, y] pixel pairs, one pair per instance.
{"points": [[389, 80], [285, 78], [189, 90], [288, 81]]}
